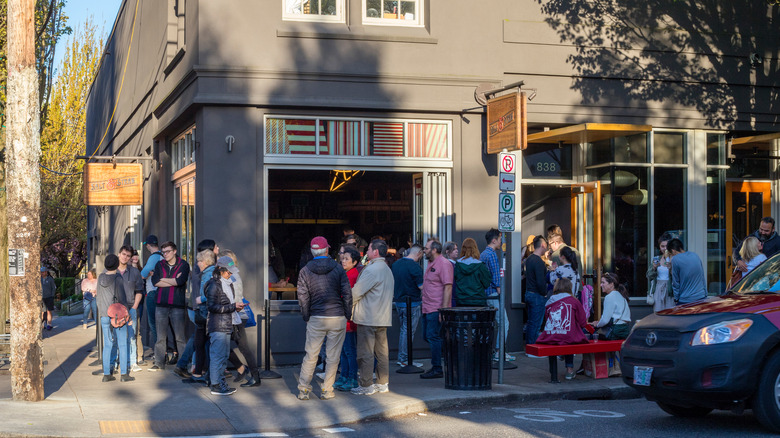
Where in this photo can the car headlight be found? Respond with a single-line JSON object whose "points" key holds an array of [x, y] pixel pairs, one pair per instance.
{"points": [[722, 332]]}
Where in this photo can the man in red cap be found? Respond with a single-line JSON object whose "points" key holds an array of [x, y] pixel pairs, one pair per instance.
{"points": [[326, 303]]}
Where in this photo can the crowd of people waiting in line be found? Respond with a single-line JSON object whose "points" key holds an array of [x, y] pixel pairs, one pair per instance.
{"points": [[347, 303]]}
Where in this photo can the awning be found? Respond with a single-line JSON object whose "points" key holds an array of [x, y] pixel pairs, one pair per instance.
{"points": [[587, 133], [764, 140]]}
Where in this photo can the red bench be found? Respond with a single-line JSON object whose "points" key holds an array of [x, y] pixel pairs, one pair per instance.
{"points": [[551, 351]]}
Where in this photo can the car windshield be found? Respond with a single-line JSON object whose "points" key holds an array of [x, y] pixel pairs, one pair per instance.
{"points": [[764, 278]]}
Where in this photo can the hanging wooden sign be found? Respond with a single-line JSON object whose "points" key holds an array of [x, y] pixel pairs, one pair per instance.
{"points": [[507, 127], [113, 184]]}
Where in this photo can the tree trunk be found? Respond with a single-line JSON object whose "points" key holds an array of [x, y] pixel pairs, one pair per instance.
{"points": [[5, 299], [23, 197]]}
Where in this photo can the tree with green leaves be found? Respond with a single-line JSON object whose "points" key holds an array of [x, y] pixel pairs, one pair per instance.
{"points": [[63, 213]]}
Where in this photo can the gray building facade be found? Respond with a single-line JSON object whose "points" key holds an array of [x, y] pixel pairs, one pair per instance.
{"points": [[267, 123]]}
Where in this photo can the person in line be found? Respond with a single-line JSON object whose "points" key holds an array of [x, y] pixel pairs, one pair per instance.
{"points": [[223, 315], [326, 303], [408, 279], [170, 276], [135, 261], [352, 238], [688, 280], [556, 244], [372, 299], [152, 245], [489, 257], [193, 292], [615, 319], [110, 290], [206, 262], [436, 294], [769, 239], [450, 252], [751, 253], [472, 276], [133, 285], [567, 268], [48, 289], [348, 379], [658, 274], [536, 289], [248, 372], [88, 289], [564, 320]]}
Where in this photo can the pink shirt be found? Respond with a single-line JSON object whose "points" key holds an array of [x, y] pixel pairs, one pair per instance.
{"points": [[438, 275]]}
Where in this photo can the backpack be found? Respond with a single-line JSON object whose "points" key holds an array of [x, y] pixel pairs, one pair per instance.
{"points": [[118, 314]]}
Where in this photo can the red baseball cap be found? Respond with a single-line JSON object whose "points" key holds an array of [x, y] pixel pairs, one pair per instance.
{"points": [[319, 242]]}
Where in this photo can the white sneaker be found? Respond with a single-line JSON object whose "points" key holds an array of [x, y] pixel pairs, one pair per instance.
{"points": [[364, 390], [380, 388], [533, 357], [403, 364], [136, 368]]}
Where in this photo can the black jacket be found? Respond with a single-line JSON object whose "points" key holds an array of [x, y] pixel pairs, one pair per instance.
{"points": [[771, 245], [220, 308], [323, 289]]}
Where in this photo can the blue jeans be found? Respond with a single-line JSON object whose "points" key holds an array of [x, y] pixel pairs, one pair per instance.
{"points": [[88, 305], [501, 314], [132, 332], [535, 303], [403, 356], [219, 350], [432, 333], [349, 356], [151, 306], [111, 336]]}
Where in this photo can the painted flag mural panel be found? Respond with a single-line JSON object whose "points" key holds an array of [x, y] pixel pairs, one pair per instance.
{"points": [[284, 136], [340, 138], [427, 140], [386, 139]]}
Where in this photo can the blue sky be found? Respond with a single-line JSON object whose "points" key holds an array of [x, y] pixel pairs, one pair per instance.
{"points": [[103, 13]]}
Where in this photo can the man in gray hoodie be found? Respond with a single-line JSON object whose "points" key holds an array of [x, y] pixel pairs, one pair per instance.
{"points": [[326, 303], [688, 281], [110, 290]]}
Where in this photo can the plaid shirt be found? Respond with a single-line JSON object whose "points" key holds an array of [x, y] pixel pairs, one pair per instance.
{"points": [[490, 258]]}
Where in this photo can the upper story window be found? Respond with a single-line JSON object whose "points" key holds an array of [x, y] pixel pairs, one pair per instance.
{"points": [[393, 12], [183, 149], [314, 10]]}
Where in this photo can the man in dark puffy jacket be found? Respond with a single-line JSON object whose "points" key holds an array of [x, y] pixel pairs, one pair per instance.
{"points": [[326, 303], [223, 315]]}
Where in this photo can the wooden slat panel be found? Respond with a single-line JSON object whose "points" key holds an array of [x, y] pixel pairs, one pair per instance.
{"points": [[587, 133], [113, 184]]}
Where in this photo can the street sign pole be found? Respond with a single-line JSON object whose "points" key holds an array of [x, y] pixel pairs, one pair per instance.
{"points": [[506, 224]]}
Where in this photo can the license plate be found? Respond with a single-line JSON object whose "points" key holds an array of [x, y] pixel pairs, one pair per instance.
{"points": [[642, 375]]}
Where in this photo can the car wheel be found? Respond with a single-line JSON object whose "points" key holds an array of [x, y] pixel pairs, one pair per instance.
{"points": [[766, 401], [683, 411]]}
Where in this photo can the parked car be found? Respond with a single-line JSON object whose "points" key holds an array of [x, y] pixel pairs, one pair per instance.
{"points": [[717, 353]]}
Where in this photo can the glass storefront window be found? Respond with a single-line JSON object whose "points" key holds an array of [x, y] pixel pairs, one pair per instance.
{"points": [[716, 229], [625, 224], [716, 149], [543, 161], [746, 168], [669, 147], [631, 149], [669, 200]]}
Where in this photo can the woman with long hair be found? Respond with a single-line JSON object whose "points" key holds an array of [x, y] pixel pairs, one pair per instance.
{"points": [[659, 275], [751, 253], [88, 289], [567, 269], [472, 276], [564, 320], [616, 317]]}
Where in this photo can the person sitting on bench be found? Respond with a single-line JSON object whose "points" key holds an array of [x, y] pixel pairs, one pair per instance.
{"points": [[564, 320]]}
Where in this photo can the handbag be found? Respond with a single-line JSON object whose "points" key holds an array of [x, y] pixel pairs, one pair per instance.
{"points": [[650, 298], [251, 320]]}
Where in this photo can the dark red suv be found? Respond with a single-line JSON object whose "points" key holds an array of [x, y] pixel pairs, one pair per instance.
{"points": [[718, 353]]}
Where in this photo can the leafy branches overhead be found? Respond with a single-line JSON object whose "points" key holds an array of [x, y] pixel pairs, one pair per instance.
{"points": [[63, 213]]}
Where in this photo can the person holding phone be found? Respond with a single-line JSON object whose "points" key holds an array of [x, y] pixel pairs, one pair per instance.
{"points": [[658, 274]]}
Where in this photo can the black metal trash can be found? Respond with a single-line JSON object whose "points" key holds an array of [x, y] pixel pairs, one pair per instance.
{"points": [[469, 339]]}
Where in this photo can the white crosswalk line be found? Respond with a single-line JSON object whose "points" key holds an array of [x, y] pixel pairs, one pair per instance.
{"points": [[338, 429]]}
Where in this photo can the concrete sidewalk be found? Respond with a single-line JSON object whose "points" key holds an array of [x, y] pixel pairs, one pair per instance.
{"points": [[78, 404]]}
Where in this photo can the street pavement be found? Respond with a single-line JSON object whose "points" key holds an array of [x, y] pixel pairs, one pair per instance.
{"points": [[78, 404]]}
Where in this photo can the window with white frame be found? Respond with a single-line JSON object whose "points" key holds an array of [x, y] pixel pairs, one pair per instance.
{"points": [[183, 169], [313, 10], [183, 150], [393, 12]]}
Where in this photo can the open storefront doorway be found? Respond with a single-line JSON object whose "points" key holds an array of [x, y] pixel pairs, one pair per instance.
{"points": [[401, 207]]}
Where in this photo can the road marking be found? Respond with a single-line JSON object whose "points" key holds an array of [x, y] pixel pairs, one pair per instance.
{"points": [[546, 415], [465, 412], [242, 435], [338, 430]]}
